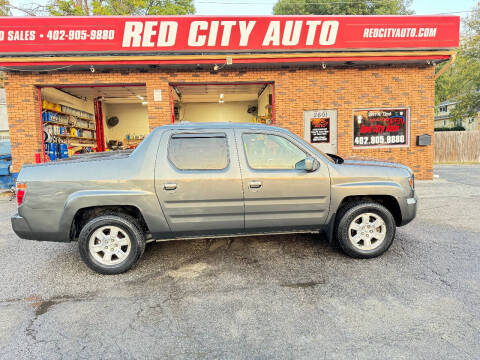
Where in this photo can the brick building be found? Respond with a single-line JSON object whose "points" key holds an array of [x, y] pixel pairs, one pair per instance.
{"points": [[358, 96]]}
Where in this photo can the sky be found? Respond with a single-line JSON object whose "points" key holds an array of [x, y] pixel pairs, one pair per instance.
{"points": [[264, 7]]}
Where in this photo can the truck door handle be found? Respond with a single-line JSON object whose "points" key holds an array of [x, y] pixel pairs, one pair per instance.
{"points": [[255, 184], [169, 186]]}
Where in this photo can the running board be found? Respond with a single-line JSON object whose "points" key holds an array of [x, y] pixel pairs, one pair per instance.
{"points": [[237, 235]]}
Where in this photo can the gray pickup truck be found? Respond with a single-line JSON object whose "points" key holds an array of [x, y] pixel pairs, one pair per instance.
{"points": [[211, 180]]}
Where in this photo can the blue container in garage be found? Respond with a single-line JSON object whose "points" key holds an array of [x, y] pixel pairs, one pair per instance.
{"points": [[62, 151], [52, 151], [7, 178]]}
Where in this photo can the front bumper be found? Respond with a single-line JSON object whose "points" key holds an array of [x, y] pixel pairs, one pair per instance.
{"points": [[409, 210]]}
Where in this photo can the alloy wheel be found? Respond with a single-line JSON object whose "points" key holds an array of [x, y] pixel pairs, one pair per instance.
{"points": [[367, 231], [109, 245]]}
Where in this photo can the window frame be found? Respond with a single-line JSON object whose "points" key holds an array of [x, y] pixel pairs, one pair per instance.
{"points": [[199, 134], [307, 153]]}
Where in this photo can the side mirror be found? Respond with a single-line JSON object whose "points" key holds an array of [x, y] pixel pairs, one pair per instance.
{"points": [[310, 164]]}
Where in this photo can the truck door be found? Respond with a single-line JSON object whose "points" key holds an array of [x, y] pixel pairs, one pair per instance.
{"points": [[279, 197], [198, 182]]}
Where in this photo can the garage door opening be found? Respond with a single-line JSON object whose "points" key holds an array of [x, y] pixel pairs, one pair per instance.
{"points": [[231, 102], [92, 118]]}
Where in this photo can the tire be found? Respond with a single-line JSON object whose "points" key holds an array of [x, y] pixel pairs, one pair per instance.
{"points": [[362, 238], [120, 235]]}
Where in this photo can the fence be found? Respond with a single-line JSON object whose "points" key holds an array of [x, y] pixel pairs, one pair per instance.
{"points": [[457, 146]]}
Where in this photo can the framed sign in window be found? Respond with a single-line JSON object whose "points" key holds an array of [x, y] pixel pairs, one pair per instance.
{"points": [[381, 127], [319, 130]]}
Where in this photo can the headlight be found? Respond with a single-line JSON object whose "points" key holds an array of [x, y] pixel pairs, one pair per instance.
{"points": [[10, 169]]}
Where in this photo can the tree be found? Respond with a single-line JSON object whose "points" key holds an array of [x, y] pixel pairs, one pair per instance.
{"points": [[461, 82], [4, 8], [120, 7], [342, 7]]}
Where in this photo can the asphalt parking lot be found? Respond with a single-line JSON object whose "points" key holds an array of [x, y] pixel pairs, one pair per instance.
{"points": [[264, 297]]}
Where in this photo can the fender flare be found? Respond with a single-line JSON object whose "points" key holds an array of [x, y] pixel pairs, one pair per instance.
{"points": [[92, 198], [340, 192]]}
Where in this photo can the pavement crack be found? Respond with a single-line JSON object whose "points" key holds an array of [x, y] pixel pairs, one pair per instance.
{"points": [[306, 284]]}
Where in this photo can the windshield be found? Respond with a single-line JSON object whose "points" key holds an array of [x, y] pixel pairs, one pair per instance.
{"points": [[313, 149]]}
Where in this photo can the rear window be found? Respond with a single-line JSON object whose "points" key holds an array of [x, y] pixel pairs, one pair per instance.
{"points": [[198, 151]]}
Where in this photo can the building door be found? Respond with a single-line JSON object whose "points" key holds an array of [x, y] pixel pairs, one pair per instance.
{"points": [[320, 129], [279, 194]]}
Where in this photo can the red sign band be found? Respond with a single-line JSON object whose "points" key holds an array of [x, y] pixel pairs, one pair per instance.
{"points": [[198, 34]]}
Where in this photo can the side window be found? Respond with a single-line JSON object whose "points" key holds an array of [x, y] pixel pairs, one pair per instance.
{"points": [[198, 151], [265, 151]]}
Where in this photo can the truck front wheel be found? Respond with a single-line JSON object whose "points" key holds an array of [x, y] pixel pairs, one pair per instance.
{"points": [[365, 230], [111, 244]]}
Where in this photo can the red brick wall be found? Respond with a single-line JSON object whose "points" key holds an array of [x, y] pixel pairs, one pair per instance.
{"points": [[296, 90]]}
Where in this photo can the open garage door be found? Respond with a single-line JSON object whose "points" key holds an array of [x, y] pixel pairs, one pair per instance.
{"points": [[92, 118], [227, 102]]}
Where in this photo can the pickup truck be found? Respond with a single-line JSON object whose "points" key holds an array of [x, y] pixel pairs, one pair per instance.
{"points": [[203, 180]]}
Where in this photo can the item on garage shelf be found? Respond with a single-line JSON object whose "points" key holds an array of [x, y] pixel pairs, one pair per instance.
{"points": [[51, 106], [48, 116], [62, 151], [115, 145], [52, 150], [73, 150], [47, 137], [75, 112], [264, 119], [61, 125], [47, 105]]}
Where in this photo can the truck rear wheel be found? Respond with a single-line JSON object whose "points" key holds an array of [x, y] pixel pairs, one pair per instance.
{"points": [[365, 230], [111, 244]]}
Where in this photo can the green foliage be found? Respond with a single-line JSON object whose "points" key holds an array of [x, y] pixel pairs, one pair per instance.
{"points": [[5, 8], [67, 8], [462, 80], [348, 7], [121, 7], [455, 128]]}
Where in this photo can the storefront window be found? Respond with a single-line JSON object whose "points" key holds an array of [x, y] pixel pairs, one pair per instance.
{"points": [[381, 127]]}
